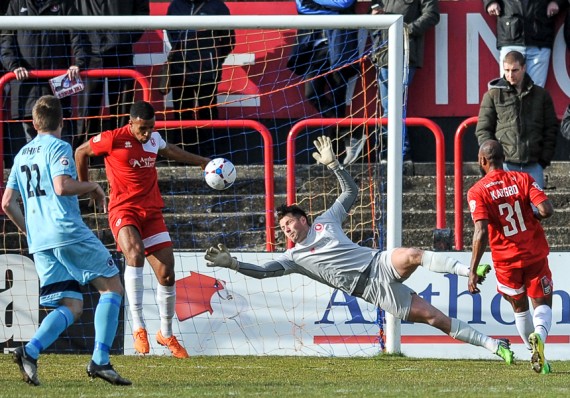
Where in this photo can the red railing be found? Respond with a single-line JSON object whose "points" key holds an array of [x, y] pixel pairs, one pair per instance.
{"points": [[267, 161], [48, 74], [141, 79], [458, 179], [411, 121]]}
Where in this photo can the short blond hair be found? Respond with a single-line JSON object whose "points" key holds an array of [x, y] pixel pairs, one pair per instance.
{"points": [[47, 113]]}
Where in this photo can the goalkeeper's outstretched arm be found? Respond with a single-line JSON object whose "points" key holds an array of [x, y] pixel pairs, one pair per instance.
{"points": [[326, 156], [221, 257]]}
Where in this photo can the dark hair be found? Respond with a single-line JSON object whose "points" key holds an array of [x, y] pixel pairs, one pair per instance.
{"points": [[47, 113], [493, 151], [515, 56], [142, 110], [294, 210]]}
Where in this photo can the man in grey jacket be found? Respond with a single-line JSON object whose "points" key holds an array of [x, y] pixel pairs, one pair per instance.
{"points": [[521, 116], [324, 253]]}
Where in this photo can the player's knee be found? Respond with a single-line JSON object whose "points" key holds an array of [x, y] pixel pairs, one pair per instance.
{"points": [[166, 279]]}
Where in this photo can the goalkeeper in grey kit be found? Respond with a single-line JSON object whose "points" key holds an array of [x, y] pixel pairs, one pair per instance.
{"points": [[324, 253]]}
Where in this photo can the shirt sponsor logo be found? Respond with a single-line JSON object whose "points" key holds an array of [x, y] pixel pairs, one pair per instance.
{"points": [[147, 162]]}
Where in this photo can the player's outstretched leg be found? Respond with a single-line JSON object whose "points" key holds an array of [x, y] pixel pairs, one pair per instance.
{"points": [[28, 366], [482, 271], [107, 373], [505, 352]]}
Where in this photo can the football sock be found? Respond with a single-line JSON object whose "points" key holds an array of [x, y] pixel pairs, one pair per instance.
{"points": [[134, 288], [166, 299], [523, 321], [51, 327], [439, 262], [542, 321], [463, 332], [106, 322]]}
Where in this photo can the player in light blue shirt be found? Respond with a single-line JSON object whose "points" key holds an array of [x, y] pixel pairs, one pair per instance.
{"points": [[324, 253], [66, 252]]}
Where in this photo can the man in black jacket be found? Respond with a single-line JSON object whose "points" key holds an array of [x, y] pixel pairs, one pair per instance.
{"points": [[195, 63], [22, 51], [114, 50], [526, 27]]}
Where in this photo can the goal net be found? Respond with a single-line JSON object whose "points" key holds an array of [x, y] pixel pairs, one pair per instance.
{"points": [[257, 90]]}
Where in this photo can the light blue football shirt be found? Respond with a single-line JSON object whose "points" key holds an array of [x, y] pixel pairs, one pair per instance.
{"points": [[51, 220]]}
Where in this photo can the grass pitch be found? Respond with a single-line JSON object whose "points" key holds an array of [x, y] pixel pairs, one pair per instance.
{"points": [[386, 376]]}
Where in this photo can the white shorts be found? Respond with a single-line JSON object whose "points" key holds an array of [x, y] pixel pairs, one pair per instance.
{"points": [[385, 288]]}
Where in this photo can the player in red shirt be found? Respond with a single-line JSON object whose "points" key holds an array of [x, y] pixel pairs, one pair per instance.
{"points": [[135, 214], [501, 205]]}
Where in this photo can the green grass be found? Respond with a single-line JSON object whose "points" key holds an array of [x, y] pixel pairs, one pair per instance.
{"points": [[384, 376]]}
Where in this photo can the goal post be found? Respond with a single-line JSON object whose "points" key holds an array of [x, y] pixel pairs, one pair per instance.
{"points": [[395, 47]]}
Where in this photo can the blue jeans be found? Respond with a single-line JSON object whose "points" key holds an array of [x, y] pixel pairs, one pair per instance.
{"points": [[537, 61], [383, 84], [534, 169]]}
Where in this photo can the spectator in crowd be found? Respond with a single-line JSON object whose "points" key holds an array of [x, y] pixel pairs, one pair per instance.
{"points": [[324, 253], [419, 17], [521, 116], [335, 49], [526, 27], [135, 214], [22, 51], [66, 252], [195, 69], [113, 50], [501, 208]]}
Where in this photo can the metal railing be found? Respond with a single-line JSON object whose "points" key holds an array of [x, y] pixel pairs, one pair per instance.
{"points": [[267, 161], [458, 179], [411, 121], [146, 93]]}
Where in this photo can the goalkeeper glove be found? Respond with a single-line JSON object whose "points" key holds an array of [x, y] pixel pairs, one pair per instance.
{"points": [[325, 154], [220, 257]]}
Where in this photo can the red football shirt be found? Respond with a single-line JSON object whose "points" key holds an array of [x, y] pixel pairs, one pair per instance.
{"points": [[504, 199], [130, 167]]}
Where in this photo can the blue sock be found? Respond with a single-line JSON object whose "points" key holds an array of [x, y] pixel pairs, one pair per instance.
{"points": [[51, 327], [106, 322]]}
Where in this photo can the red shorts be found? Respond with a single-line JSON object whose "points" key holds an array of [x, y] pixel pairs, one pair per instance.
{"points": [[534, 279], [150, 224]]}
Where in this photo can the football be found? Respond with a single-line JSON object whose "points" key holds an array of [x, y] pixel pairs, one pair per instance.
{"points": [[220, 173]]}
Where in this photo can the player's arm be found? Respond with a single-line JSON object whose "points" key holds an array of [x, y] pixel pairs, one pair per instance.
{"points": [[82, 162], [177, 154], [325, 155], [65, 185], [12, 208], [480, 241], [220, 257], [544, 210]]}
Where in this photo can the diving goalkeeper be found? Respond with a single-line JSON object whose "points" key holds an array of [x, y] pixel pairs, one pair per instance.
{"points": [[324, 253]]}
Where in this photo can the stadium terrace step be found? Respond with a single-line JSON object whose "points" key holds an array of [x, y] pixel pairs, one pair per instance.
{"points": [[199, 217]]}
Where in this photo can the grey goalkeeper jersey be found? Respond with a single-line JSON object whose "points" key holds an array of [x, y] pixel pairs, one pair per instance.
{"points": [[326, 255]]}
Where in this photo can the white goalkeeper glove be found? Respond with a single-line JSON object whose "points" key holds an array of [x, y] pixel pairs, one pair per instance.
{"points": [[325, 154], [220, 257]]}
